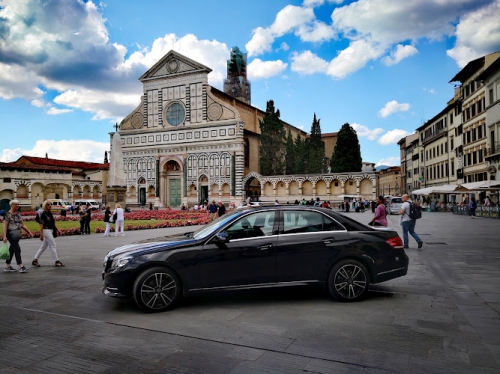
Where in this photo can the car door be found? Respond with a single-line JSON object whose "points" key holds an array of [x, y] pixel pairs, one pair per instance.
{"points": [[308, 243], [248, 257]]}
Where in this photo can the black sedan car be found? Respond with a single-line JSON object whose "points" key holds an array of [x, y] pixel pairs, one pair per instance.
{"points": [[258, 247]]}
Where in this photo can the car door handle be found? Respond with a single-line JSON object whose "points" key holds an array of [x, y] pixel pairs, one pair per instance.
{"points": [[264, 247], [329, 241]]}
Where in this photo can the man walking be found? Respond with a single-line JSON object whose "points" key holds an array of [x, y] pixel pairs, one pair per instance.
{"points": [[212, 209], [407, 223], [222, 209]]}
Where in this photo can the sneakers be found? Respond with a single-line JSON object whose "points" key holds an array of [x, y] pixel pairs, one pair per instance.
{"points": [[9, 269], [23, 269], [420, 244]]}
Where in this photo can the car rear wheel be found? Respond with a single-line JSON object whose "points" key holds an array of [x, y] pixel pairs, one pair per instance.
{"points": [[157, 289], [348, 280]]}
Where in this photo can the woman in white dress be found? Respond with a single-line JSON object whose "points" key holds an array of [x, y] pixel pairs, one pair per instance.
{"points": [[120, 220]]}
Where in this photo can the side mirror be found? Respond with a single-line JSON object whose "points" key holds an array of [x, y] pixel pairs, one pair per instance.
{"points": [[221, 238]]}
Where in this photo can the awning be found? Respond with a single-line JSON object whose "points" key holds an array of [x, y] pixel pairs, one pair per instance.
{"points": [[444, 189], [476, 186]]}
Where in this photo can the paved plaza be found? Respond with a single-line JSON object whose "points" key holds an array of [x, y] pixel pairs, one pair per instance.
{"points": [[443, 317]]}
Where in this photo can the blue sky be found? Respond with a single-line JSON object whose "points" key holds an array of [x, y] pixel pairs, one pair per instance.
{"points": [[69, 69]]}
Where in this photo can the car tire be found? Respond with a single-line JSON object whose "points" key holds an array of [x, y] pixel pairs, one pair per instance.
{"points": [[157, 289], [348, 280]]}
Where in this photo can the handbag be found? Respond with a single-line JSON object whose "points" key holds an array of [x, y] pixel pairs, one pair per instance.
{"points": [[4, 252], [15, 234], [54, 232], [115, 216], [111, 219]]}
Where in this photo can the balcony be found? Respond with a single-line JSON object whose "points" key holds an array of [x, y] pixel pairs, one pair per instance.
{"points": [[436, 134], [492, 154]]}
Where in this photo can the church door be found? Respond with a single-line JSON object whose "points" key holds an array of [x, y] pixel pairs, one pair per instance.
{"points": [[204, 193], [142, 196], [174, 190]]}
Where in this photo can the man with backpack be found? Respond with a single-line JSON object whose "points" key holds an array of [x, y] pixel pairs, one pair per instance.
{"points": [[410, 212]]}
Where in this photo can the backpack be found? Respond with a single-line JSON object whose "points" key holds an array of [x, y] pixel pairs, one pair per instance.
{"points": [[38, 217], [415, 211]]}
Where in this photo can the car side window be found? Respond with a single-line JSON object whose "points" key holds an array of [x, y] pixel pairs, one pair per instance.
{"points": [[252, 226], [304, 221]]}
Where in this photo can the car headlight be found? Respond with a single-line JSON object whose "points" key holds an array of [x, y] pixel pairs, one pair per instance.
{"points": [[120, 262]]}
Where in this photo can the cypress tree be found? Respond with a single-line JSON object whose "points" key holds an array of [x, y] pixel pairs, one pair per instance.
{"points": [[300, 155], [346, 156], [272, 142], [316, 151], [291, 154]]}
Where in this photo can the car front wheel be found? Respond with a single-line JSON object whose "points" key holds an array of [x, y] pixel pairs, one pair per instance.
{"points": [[348, 280], [157, 289]]}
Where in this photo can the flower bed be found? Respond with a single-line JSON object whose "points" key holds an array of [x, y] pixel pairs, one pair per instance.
{"points": [[170, 218]]}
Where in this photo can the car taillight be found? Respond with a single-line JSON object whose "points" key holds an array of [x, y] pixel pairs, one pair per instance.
{"points": [[395, 242]]}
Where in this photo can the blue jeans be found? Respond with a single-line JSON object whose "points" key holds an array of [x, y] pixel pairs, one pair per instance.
{"points": [[409, 226]]}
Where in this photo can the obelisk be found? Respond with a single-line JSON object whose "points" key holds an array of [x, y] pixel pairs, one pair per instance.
{"points": [[117, 186]]}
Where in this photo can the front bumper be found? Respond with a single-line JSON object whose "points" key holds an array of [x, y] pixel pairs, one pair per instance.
{"points": [[117, 284]]}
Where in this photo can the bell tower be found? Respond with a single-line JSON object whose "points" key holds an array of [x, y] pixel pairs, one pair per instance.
{"points": [[236, 83]]}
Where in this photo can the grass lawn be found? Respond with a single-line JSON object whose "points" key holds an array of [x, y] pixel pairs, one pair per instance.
{"points": [[34, 226]]}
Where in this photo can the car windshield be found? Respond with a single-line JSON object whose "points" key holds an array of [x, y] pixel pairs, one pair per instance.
{"points": [[212, 227]]}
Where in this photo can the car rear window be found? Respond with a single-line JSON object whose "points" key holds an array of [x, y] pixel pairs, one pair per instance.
{"points": [[397, 200]]}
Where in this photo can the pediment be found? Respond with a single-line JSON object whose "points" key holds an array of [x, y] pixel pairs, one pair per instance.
{"points": [[173, 64]]}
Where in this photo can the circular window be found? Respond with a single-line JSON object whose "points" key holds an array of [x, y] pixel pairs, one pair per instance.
{"points": [[175, 114]]}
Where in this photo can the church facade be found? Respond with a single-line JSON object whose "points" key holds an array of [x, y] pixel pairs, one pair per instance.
{"points": [[188, 142]]}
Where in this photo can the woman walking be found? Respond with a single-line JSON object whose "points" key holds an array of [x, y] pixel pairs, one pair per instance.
{"points": [[120, 219], [380, 218], [472, 207], [107, 214], [47, 230], [12, 225]]}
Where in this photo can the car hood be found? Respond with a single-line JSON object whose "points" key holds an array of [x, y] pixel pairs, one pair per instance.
{"points": [[142, 248]]}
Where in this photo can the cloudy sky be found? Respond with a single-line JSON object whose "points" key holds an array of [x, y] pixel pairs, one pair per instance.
{"points": [[69, 69]]}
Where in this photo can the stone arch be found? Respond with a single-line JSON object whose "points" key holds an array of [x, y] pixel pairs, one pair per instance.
{"points": [[226, 190], [350, 187], [321, 187], [22, 191], [268, 189], [214, 189], [280, 188], [151, 191], [294, 188], [252, 185], [307, 188], [336, 187], [96, 192], [366, 187]]}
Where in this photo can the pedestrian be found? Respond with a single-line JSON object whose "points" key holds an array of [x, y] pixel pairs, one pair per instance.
{"points": [[472, 207], [107, 214], [12, 226], [150, 205], [83, 216], [120, 220], [374, 204], [72, 208], [407, 223], [47, 230], [88, 218], [222, 209], [380, 218], [212, 209]]}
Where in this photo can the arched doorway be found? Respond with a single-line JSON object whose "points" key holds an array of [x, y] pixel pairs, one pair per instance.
{"points": [[203, 183], [142, 191], [173, 175], [252, 189]]}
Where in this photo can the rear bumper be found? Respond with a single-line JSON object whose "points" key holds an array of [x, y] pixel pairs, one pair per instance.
{"points": [[398, 268]]}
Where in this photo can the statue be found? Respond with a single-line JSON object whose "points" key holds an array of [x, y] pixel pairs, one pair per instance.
{"points": [[329, 169]]}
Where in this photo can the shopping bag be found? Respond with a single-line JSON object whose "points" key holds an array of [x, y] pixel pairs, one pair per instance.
{"points": [[4, 252]]}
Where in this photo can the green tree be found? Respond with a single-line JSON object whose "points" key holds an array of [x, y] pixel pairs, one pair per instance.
{"points": [[316, 149], [300, 161], [291, 155], [272, 142], [346, 156]]}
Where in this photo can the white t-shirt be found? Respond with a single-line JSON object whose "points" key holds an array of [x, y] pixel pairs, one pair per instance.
{"points": [[119, 214], [406, 215]]}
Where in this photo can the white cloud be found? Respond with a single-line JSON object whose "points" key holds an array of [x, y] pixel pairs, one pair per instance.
{"points": [[401, 52], [393, 107], [65, 48], [392, 137], [354, 58], [258, 69], [308, 63], [389, 161], [477, 34], [315, 31], [313, 3], [364, 131], [74, 150], [55, 111], [432, 91], [288, 19], [283, 47]]}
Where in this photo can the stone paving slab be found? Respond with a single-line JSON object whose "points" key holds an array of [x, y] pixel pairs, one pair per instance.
{"points": [[442, 317]]}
